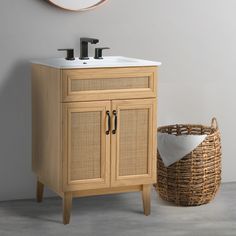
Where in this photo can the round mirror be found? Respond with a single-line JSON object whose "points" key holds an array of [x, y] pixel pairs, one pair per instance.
{"points": [[77, 5]]}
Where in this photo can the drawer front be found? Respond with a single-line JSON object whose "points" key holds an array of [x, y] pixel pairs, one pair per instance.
{"points": [[108, 83]]}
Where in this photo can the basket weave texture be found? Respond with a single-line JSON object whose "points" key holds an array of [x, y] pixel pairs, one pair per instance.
{"points": [[195, 179]]}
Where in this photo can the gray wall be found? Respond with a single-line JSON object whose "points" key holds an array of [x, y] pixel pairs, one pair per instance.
{"points": [[195, 40]]}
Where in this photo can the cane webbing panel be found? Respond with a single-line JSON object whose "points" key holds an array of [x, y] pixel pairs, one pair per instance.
{"points": [[133, 151], [85, 145], [109, 84]]}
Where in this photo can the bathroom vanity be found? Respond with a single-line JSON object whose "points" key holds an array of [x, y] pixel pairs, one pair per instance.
{"points": [[94, 127]]}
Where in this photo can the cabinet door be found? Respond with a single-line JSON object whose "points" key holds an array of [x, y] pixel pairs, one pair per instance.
{"points": [[86, 154], [133, 159]]}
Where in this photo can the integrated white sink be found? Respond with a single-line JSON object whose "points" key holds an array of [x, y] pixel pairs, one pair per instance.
{"points": [[115, 61]]}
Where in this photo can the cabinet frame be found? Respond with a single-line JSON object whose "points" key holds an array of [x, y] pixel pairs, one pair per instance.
{"points": [[51, 99]]}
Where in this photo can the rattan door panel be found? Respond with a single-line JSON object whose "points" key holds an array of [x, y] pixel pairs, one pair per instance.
{"points": [[109, 83], [86, 145], [133, 156]]}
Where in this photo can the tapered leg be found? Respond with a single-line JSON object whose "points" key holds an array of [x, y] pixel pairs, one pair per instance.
{"points": [[67, 203], [146, 194], [39, 191]]}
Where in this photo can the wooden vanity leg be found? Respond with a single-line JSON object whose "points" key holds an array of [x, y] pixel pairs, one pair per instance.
{"points": [[39, 191], [67, 203], [146, 194]]}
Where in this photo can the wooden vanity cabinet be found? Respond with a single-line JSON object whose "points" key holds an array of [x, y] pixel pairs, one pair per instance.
{"points": [[94, 131]]}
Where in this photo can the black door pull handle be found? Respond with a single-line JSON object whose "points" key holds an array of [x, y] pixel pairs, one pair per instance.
{"points": [[115, 122], [108, 123]]}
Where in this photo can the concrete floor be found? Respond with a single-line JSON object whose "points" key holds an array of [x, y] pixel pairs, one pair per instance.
{"points": [[120, 215]]}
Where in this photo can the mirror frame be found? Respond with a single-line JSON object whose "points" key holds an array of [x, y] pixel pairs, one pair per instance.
{"points": [[78, 10]]}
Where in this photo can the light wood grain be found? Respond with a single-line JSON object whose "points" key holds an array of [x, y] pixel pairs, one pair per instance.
{"points": [[110, 190], [133, 161], [81, 151], [72, 155], [109, 83], [146, 196], [67, 204], [46, 126]]}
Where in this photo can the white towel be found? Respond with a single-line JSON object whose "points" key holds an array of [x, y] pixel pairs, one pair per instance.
{"points": [[172, 148]]}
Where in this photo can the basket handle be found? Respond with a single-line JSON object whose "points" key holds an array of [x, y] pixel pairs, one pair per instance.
{"points": [[214, 123]]}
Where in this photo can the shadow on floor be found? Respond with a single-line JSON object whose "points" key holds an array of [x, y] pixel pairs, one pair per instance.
{"points": [[116, 215], [50, 208]]}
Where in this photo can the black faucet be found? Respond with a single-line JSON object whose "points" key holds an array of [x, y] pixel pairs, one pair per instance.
{"points": [[98, 52], [84, 47], [70, 53]]}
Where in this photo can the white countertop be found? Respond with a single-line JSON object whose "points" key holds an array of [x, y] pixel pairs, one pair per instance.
{"points": [[114, 61]]}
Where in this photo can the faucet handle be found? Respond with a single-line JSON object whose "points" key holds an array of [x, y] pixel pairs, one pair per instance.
{"points": [[70, 53], [98, 52]]}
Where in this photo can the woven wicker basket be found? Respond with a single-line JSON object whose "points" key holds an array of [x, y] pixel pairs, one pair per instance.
{"points": [[195, 179]]}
